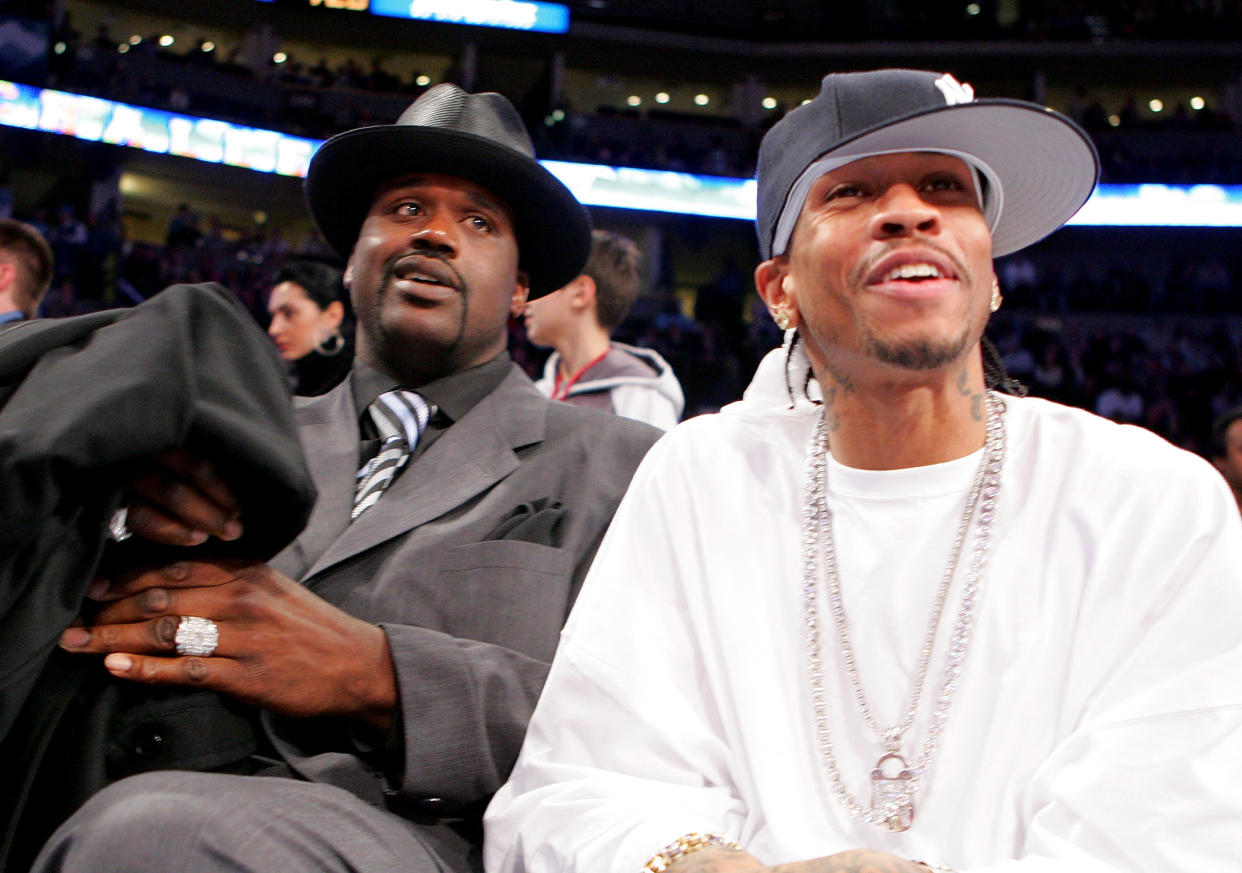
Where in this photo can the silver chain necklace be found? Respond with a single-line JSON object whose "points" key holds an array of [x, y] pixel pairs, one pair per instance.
{"points": [[894, 783]]}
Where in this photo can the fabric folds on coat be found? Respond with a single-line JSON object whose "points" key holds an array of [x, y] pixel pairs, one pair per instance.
{"points": [[82, 401]]}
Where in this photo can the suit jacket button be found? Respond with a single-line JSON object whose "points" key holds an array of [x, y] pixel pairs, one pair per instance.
{"points": [[149, 741]]}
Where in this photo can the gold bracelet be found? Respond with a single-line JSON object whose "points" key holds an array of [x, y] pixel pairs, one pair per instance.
{"points": [[683, 846]]}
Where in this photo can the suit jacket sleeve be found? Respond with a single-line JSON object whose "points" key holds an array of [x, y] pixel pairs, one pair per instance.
{"points": [[465, 705]]}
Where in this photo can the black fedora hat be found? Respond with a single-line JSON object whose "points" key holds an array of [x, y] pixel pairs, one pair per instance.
{"points": [[1039, 167], [477, 137]]}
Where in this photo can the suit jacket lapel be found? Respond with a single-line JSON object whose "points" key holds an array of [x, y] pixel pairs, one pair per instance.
{"points": [[328, 431], [468, 458]]}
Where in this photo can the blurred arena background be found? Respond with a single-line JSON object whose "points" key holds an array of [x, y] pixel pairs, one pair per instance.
{"points": [[1133, 312]]}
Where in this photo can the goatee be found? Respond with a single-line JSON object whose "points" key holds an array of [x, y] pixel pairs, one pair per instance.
{"points": [[919, 354]]}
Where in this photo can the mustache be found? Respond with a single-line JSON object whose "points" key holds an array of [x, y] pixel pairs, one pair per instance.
{"points": [[867, 264], [406, 263]]}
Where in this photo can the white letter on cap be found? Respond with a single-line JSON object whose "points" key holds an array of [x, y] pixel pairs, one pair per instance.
{"points": [[954, 91]]}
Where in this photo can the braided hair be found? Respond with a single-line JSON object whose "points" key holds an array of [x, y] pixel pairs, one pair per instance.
{"points": [[792, 338], [995, 376]]}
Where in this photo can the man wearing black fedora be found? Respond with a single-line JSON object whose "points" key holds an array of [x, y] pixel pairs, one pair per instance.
{"points": [[458, 511], [893, 618]]}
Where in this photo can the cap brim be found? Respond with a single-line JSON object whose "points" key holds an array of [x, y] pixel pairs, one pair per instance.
{"points": [[553, 229], [1046, 164]]}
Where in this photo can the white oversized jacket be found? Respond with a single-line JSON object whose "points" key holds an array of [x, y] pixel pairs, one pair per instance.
{"points": [[1098, 725]]}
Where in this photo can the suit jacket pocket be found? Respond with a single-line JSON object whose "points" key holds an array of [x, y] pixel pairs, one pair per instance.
{"points": [[538, 521], [508, 592]]}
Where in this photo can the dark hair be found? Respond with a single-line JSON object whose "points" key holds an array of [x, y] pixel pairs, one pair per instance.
{"points": [[805, 387], [613, 265], [33, 258], [321, 283], [995, 376], [1220, 427]]}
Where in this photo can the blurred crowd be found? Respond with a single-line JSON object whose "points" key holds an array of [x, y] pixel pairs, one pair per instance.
{"points": [[1129, 19], [1067, 331], [315, 98], [1171, 369], [1173, 376]]}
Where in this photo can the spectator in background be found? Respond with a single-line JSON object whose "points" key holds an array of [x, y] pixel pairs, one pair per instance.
{"points": [[25, 270], [1121, 400], [68, 239], [309, 325], [183, 229], [587, 368], [1227, 450]]}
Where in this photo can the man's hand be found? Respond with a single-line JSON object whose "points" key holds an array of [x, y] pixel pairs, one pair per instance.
{"points": [[180, 500], [713, 860], [280, 647], [857, 861]]}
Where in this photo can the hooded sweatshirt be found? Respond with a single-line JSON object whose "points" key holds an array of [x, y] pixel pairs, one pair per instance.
{"points": [[627, 381]]}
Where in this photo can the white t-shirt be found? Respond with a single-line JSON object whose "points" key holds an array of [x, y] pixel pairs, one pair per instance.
{"points": [[1098, 723]]}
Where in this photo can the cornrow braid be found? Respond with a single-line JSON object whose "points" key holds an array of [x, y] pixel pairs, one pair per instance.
{"points": [[806, 387], [791, 342], [995, 376]]}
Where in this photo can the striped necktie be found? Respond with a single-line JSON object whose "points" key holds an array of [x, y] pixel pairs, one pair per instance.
{"points": [[399, 417]]}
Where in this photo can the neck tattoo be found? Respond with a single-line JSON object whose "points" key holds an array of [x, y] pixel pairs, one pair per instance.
{"points": [[894, 782]]}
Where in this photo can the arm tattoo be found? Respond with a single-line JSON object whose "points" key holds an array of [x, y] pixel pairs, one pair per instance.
{"points": [[848, 862], [710, 865], [716, 861]]}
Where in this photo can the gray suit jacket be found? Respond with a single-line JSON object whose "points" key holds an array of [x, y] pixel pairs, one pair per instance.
{"points": [[470, 562]]}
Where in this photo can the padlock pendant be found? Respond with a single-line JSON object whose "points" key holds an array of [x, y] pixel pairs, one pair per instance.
{"points": [[891, 803]]}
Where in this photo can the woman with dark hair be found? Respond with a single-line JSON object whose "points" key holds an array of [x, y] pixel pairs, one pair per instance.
{"points": [[310, 325]]}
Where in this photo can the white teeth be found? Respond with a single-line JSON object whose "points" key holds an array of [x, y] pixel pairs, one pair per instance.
{"points": [[913, 271]]}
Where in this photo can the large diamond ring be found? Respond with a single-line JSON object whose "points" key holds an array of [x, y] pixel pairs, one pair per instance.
{"points": [[197, 636], [118, 529]]}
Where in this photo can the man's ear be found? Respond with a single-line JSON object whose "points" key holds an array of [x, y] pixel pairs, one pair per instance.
{"points": [[770, 283], [521, 291]]}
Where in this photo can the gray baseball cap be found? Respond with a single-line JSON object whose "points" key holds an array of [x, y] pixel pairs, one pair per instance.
{"points": [[1038, 166]]}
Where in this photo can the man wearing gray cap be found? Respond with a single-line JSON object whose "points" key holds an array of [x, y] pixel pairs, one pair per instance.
{"points": [[890, 619], [458, 510]]}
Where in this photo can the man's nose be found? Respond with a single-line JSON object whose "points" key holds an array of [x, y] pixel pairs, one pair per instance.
{"points": [[434, 234], [902, 212]]}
